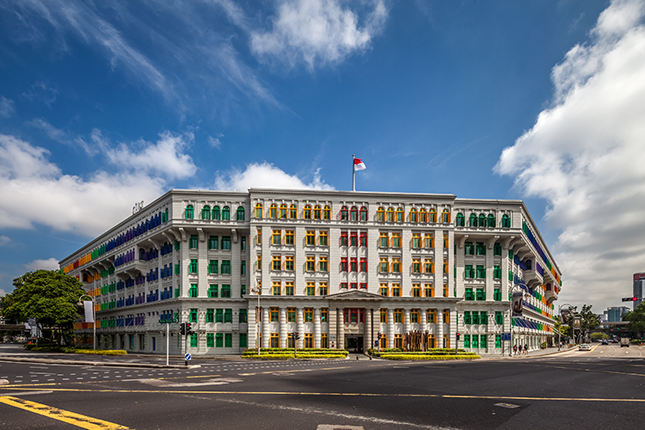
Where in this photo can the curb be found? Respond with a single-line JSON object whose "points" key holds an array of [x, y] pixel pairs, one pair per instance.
{"points": [[97, 363]]}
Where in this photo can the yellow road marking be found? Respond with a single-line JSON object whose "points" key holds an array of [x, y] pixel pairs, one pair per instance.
{"points": [[78, 420], [304, 393]]}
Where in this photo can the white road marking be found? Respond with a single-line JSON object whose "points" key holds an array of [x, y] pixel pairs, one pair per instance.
{"points": [[162, 383]]}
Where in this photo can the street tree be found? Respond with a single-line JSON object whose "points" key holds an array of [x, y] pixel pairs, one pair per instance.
{"points": [[636, 319], [48, 296]]}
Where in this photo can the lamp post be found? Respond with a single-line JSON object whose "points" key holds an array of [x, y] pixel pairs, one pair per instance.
{"points": [[258, 290], [93, 316], [560, 315]]}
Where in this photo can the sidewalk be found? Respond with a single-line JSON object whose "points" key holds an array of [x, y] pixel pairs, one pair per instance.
{"points": [[531, 354]]}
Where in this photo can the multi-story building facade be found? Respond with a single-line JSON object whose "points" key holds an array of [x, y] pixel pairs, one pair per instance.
{"points": [[337, 267], [638, 289], [615, 314]]}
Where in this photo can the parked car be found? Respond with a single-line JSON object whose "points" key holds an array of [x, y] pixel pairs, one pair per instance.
{"points": [[604, 342], [624, 341], [584, 347]]}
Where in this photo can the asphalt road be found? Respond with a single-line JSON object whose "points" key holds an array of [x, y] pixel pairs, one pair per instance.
{"points": [[598, 389]]}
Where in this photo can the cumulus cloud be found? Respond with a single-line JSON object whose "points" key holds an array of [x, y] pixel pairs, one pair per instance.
{"points": [[585, 156], [49, 264], [6, 107], [318, 32], [36, 191], [266, 175], [2, 292], [4, 241]]}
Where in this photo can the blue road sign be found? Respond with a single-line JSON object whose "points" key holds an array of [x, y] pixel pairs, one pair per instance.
{"points": [[187, 356], [506, 336]]}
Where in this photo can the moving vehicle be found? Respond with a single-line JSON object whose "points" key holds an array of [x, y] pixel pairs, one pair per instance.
{"points": [[584, 347], [624, 341], [604, 342]]}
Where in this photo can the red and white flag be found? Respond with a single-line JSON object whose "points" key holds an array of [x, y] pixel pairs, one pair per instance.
{"points": [[358, 164]]}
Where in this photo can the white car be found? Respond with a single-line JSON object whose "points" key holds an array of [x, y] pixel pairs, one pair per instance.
{"points": [[584, 347]]}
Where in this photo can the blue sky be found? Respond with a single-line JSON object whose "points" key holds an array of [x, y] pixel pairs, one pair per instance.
{"points": [[106, 103]]}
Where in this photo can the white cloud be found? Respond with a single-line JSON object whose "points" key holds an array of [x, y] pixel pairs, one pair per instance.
{"points": [[265, 175], [318, 31], [49, 264], [6, 107], [61, 136], [42, 92], [2, 292], [215, 142], [4, 241], [35, 191], [585, 156]]}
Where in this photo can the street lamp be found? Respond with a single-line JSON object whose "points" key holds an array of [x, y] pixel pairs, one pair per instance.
{"points": [[257, 290], [560, 315], [93, 316]]}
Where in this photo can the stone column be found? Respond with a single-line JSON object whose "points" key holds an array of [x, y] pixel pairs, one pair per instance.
{"points": [[333, 327], [266, 328], [301, 327], [424, 320], [390, 327], [283, 328], [368, 330], [439, 329], [252, 328], [317, 328], [341, 328], [406, 326]]}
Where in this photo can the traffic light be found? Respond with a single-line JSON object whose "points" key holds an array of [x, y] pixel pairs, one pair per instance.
{"points": [[457, 336], [188, 330], [379, 336], [182, 328], [630, 299], [296, 336]]}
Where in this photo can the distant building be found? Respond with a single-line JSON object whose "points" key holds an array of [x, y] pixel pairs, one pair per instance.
{"points": [[615, 314], [639, 287]]}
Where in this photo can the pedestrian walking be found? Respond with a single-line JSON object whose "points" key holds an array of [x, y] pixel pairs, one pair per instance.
{"points": [[515, 349], [526, 348]]}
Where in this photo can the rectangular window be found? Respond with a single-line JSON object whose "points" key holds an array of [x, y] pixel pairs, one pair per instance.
{"points": [[343, 238], [311, 238], [469, 249], [396, 265], [258, 236], [213, 242], [469, 295], [288, 237], [243, 340], [288, 288], [363, 285], [481, 272], [323, 290], [242, 290], [396, 240], [324, 315], [219, 315], [228, 315], [276, 263], [192, 268], [212, 267], [289, 263], [416, 265], [416, 240], [258, 263], [353, 239], [353, 285], [212, 291], [291, 315], [396, 290], [219, 340], [383, 290], [446, 243], [445, 290], [353, 264], [398, 315], [276, 288], [384, 240], [193, 316], [498, 341], [210, 340], [343, 285], [445, 266], [228, 340], [480, 248], [469, 273], [429, 241], [497, 272], [446, 316], [274, 315], [243, 267], [466, 341], [309, 340], [309, 314], [226, 267], [431, 316], [323, 264], [242, 317], [226, 242], [497, 249], [311, 263], [414, 316], [384, 315], [497, 294], [343, 264], [193, 242], [226, 291], [310, 289], [363, 264], [416, 290], [193, 291], [210, 315], [193, 340], [243, 244], [323, 238], [363, 238], [324, 340], [276, 237], [481, 294]]}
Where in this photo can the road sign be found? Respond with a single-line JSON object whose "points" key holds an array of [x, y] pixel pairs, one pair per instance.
{"points": [[506, 336], [187, 356]]}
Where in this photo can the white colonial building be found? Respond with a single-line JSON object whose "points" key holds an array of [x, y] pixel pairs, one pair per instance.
{"points": [[337, 267]]}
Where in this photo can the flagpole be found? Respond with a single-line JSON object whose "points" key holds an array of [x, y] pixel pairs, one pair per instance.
{"points": [[353, 173]]}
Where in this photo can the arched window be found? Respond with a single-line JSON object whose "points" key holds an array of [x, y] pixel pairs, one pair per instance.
{"points": [[461, 220], [506, 221], [206, 212], [327, 213], [482, 220], [226, 213], [380, 214], [317, 212], [400, 215], [445, 216], [343, 213], [491, 220], [283, 210], [189, 213], [142, 254], [423, 215], [472, 221], [363, 213], [293, 212], [240, 213], [306, 214], [273, 211], [353, 213], [216, 213], [432, 215], [414, 216], [390, 214], [258, 210]]}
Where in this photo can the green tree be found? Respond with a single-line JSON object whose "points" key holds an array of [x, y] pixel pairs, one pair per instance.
{"points": [[636, 319], [588, 320], [48, 296]]}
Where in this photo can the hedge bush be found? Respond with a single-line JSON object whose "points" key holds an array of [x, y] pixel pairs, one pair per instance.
{"points": [[66, 350], [286, 356], [430, 357]]}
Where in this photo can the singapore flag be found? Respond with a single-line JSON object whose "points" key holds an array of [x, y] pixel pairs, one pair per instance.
{"points": [[358, 164]]}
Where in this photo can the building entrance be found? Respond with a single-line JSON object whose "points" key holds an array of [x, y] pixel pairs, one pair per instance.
{"points": [[354, 343]]}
